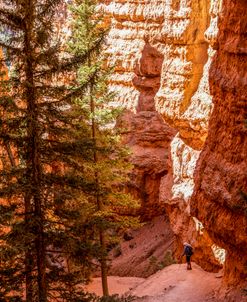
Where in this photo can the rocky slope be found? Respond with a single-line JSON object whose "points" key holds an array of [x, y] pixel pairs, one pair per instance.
{"points": [[163, 51], [144, 251], [219, 200]]}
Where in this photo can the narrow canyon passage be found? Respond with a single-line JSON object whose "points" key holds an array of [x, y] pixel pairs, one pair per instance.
{"points": [[123, 141], [195, 52]]}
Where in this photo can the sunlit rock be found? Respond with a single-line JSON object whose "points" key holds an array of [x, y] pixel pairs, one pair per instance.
{"points": [[162, 52]]}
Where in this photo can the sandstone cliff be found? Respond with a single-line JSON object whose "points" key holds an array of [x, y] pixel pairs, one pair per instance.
{"points": [[162, 51], [220, 199]]}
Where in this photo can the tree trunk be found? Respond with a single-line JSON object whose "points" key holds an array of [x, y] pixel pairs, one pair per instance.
{"points": [[103, 263], [40, 252], [29, 261], [103, 260], [33, 150], [28, 253]]}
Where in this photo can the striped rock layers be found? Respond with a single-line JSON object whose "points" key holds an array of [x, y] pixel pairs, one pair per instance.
{"points": [[162, 51], [220, 195]]}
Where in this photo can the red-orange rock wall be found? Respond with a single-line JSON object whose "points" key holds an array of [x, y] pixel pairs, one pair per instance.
{"points": [[162, 52], [219, 199]]}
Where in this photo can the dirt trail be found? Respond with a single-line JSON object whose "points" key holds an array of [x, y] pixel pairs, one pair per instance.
{"points": [[172, 284]]}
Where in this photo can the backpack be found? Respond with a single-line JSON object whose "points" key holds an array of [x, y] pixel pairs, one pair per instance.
{"points": [[189, 250]]}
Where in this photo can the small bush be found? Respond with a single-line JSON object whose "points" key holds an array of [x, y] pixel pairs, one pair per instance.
{"points": [[116, 298], [168, 259], [158, 265], [153, 261], [117, 252]]}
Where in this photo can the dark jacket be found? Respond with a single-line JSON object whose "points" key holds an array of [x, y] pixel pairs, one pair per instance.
{"points": [[188, 250]]}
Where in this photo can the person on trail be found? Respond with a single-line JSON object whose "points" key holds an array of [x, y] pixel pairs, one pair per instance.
{"points": [[188, 252]]}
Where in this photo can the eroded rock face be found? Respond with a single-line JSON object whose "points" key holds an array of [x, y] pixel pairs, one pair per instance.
{"points": [[145, 250], [171, 41], [162, 51], [149, 139], [147, 134], [219, 200], [176, 30]]}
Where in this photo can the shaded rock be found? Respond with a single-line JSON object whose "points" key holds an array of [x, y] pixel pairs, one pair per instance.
{"points": [[219, 199]]}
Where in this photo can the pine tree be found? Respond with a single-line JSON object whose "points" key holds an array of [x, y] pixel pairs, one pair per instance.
{"points": [[45, 143], [64, 171], [109, 168]]}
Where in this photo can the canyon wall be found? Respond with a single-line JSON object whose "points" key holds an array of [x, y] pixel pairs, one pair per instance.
{"points": [[162, 51], [181, 73], [220, 196]]}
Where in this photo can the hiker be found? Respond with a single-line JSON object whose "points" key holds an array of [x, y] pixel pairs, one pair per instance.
{"points": [[188, 252]]}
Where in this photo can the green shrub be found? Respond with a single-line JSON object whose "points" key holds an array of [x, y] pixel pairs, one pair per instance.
{"points": [[116, 298], [158, 265], [168, 259]]}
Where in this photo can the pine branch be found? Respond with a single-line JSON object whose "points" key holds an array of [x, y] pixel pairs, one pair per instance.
{"points": [[70, 64], [11, 19], [48, 6], [16, 50]]}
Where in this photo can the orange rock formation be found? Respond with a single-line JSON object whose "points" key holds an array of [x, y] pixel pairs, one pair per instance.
{"points": [[219, 200], [162, 51], [172, 58]]}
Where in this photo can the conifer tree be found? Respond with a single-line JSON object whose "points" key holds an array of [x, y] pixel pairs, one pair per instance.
{"points": [[64, 170], [109, 168], [45, 143]]}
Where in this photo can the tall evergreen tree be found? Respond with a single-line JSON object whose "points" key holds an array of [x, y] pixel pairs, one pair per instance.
{"points": [[63, 180], [108, 167], [45, 143]]}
